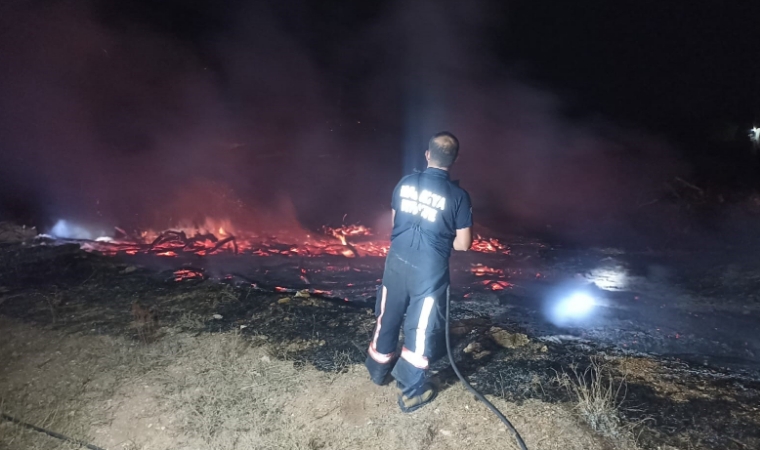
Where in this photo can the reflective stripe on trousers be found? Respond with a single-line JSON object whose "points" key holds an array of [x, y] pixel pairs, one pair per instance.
{"points": [[417, 357], [382, 358]]}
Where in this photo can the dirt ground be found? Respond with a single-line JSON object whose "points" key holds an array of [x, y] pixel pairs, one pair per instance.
{"points": [[228, 391], [210, 364]]}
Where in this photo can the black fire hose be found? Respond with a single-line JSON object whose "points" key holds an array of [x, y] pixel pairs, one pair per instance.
{"points": [[474, 392], [50, 433]]}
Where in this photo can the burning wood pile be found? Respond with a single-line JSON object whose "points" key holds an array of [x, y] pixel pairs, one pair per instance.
{"points": [[214, 237], [201, 241], [354, 273], [489, 245], [494, 277]]}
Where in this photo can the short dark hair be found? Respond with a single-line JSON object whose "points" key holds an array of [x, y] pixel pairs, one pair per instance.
{"points": [[444, 148]]}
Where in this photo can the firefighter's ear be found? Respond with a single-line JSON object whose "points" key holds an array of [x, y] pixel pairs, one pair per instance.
{"points": [[427, 155]]}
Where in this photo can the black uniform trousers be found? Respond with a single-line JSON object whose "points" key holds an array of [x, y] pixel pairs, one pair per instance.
{"points": [[415, 285]]}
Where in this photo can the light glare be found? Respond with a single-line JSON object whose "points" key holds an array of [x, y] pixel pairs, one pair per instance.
{"points": [[577, 306], [67, 230]]}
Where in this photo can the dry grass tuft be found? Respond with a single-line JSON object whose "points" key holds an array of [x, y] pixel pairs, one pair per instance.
{"points": [[145, 321], [600, 393], [341, 362], [190, 322]]}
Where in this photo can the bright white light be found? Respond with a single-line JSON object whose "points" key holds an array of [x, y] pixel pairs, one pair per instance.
{"points": [[574, 307], [63, 229], [754, 135], [67, 230], [577, 305]]}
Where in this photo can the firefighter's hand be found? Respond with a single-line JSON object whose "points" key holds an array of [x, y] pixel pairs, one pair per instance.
{"points": [[463, 240]]}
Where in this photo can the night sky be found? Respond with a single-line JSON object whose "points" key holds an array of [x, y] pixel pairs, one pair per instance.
{"points": [[676, 68], [107, 107]]}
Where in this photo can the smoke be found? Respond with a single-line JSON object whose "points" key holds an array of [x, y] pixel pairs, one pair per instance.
{"points": [[101, 124], [265, 121], [526, 165]]}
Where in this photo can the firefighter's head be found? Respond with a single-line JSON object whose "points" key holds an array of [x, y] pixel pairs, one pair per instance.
{"points": [[442, 150]]}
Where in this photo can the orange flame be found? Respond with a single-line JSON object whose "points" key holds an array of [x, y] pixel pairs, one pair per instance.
{"points": [[187, 274], [215, 236], [480, 270], [500, 285], [490, 245]]}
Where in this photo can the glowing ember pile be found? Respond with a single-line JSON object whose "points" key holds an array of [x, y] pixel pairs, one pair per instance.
{"points": [[342, 234], [348, 230], [479, 270], [200, 241], [188, 274], [489, 245], [215, 237], [497, 285]]}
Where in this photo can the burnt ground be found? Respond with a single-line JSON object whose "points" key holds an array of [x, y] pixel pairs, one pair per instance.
{"points": [[680, 329]]}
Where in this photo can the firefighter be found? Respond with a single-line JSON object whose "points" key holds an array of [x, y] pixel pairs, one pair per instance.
{"points": [[431, 215]]}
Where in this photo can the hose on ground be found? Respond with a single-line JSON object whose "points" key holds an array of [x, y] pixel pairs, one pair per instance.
{"points": [[50, 433], [478, 395]]}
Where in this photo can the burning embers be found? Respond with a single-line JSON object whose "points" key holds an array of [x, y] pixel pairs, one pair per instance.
{"points": [[497, 285], [489, 245], [342, 234], [188, 274], [200, 241], [215, 237], [348, 230], [479, 270], [200, 244]]}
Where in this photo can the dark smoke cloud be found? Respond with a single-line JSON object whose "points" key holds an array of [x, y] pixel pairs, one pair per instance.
{"points": [[123, 124], [99, 123], [526, 165], [132, 125]]}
